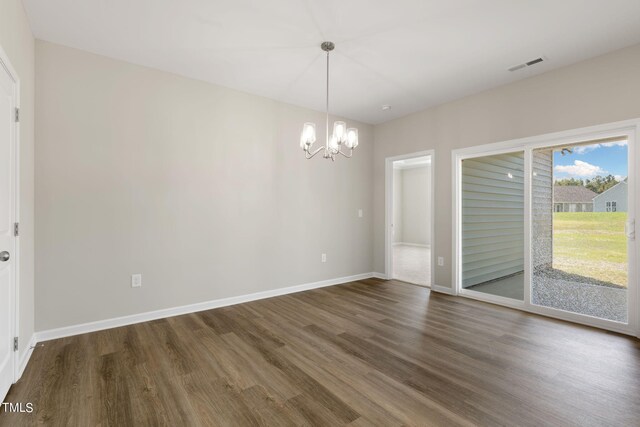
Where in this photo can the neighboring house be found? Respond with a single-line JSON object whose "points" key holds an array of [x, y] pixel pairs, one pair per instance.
{"points": [[572, 198], [612, 200]]}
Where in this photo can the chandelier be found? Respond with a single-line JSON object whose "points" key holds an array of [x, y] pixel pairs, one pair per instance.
{"points": [[341, 135]]}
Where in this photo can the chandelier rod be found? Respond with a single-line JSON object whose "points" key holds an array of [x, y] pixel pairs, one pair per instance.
{"points": [[327, 106]]}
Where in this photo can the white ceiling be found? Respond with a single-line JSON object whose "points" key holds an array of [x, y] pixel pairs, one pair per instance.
{"points": [[411, 54]]}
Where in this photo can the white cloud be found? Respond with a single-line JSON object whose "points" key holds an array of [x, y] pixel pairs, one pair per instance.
{"points": [[580, 169], [615, 144], [583, 149]]}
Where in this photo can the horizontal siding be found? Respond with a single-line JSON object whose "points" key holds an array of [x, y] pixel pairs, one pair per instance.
{"points": [[481, 210], [493, 264], [500, 242], [492, 217], [491, 204], [486, 258], [485, 194]]}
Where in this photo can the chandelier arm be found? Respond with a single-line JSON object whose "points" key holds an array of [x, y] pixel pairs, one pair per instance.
{"points": [[309, 155], [348, 156]]}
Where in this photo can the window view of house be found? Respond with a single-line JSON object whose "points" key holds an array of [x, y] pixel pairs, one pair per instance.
{"points": [[573, 198], [613, 199], [580, 250]]}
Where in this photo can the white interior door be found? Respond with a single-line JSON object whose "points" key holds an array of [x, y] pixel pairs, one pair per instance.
{"points": [[8, 148]]}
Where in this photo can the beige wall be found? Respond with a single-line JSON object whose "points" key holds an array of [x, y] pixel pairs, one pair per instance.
{"points": [[397, 206], [601, 90], [416, 198], [413, 213], [200, 188], [196, 186], [18, 43]]}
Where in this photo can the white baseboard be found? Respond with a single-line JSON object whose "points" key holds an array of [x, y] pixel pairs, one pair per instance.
{"points": [[379, 276], [99, 325], [443, 290], [24, 359]]}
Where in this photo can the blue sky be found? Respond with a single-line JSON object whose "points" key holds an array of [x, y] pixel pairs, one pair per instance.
{"points": [[591, 160]]}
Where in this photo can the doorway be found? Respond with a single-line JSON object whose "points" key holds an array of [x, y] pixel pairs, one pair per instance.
{"points": [[8, 220], [546, 224], [410, 218]]}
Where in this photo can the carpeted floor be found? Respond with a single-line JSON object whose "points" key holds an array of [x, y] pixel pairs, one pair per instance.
{"points": [[412, 264]]}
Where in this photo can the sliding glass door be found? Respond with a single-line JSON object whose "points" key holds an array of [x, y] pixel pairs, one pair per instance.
{"points": [[493, 225], [579, 213], [547, 225]]}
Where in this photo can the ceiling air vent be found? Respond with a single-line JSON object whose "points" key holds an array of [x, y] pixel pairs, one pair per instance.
{"points": [[526, 64]]}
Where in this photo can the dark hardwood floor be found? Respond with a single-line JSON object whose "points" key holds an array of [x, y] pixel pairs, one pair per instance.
{"points": [[365, 353]]}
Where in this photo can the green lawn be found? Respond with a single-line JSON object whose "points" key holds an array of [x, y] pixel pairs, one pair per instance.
{"points": [[591, 244]]}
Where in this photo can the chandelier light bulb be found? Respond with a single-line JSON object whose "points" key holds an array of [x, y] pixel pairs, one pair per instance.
{"points": [[340, 132], [334, 144], [308, 136], [352, 138]]}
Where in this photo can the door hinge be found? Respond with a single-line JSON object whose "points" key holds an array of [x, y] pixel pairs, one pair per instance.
{"points": [[15, 343], [16, 229], [17, 114]]}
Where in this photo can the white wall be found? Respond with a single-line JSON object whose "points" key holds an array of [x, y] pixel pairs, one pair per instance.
{"points": [[600, 90], [202, 189], [18, 43], [415, 211]]}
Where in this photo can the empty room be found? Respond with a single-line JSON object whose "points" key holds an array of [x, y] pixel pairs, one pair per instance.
{"points": [[305, 212]]}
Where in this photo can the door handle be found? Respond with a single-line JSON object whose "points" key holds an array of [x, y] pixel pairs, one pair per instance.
{"points": [[630, 229], [4, 256]]}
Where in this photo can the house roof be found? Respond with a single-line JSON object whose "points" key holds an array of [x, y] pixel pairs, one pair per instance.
{"points": [[572, 194], [611, 188]]}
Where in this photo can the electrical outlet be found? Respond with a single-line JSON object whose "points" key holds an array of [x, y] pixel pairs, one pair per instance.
{"points": [[324, 258], [136, 280], [440, 261], [359, 213]]}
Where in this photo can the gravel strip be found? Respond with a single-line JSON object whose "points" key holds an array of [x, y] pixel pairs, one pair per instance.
{"points": [[598, 300]]}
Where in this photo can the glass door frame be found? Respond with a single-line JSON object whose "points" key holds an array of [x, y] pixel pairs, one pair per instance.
{"points": [[629, 129]]}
